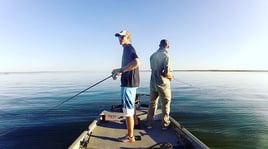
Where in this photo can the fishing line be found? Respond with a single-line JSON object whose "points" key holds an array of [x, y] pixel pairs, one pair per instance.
{"points": [[188, 84]]}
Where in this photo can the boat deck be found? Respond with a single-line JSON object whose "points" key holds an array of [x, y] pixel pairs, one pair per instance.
{"points": [[106, 135]]}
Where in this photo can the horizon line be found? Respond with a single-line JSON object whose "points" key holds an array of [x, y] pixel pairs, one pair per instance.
{"points": [[145, 70]]}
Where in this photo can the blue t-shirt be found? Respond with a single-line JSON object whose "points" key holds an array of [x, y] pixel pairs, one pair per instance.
{"points": [[130, 78]]}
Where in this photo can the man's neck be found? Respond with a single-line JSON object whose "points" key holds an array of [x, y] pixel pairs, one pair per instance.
{"points": [[126, 44]]}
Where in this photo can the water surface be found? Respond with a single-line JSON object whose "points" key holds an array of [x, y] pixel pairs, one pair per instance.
{"points": [[223, 109]]}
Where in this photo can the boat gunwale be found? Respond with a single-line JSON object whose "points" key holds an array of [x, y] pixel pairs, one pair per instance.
{"points": [[82, 137]]}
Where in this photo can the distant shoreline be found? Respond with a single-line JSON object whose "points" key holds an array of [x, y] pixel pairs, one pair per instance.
{"points": [[214, 70], [176, 70], [226, 70]]}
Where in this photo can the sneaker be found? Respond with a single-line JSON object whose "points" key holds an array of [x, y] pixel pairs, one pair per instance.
{"points": [[165, 128], [149, 127], [127, 138]]}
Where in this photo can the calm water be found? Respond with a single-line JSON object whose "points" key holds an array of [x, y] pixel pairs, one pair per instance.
{"points": [[225, 110]]}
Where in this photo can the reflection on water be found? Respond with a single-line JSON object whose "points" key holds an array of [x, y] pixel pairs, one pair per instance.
{"points": [[223, 109]]}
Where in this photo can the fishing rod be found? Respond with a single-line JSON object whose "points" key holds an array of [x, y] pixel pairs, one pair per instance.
{"points": [[36, 118], [66, 100]]}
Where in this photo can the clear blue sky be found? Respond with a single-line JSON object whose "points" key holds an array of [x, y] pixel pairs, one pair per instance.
{"points": [[49, 35]]}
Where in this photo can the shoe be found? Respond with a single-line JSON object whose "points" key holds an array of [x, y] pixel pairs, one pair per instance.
{"points": [[127, 138], [149, 127], [165, 128]]}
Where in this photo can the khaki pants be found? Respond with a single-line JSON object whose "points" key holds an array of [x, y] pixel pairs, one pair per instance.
{"points": [[164, 94]]}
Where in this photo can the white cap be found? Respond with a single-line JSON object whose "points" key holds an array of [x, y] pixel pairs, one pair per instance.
{"points": [[122, 33]]}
